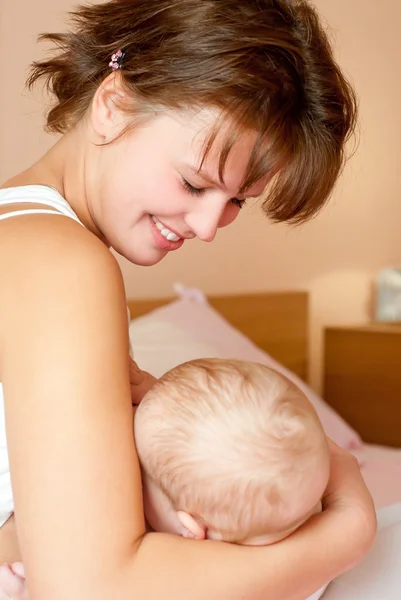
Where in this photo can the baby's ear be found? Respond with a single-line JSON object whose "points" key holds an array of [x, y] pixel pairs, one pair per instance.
{"points": [[191, 527]]}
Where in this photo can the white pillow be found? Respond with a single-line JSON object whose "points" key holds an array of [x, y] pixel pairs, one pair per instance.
{"points": [[159, 345]]}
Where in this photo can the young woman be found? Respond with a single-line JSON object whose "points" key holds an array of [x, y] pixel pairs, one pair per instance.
{"points": [[172, 114]]}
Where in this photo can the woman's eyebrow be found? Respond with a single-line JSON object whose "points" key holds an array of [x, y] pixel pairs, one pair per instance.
{"points": [[206, 177], [220, 184]]}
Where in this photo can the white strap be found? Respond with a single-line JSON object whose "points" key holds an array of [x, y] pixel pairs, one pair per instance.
{"points": [[31, 211], [54, 202], [37, 194], [9, 201]]}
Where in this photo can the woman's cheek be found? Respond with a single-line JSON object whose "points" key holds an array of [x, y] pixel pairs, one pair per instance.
{"points": [[229, 215]]}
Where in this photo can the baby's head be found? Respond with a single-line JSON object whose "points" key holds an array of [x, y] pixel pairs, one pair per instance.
{"points": [[231, 451]]}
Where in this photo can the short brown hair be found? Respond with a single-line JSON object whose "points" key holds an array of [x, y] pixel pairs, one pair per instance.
{"points": [[266, 64]]}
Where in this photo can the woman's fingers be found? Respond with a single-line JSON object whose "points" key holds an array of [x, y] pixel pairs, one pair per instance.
{"points": [[135, 374], [139, 390], [141, 382]]}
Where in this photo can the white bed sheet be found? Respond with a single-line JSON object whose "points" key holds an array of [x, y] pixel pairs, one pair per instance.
{"points": [[381, 468], [378, 576]]}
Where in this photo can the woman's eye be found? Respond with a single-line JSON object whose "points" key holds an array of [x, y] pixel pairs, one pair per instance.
{"points": [[238, 202], [191, 189], [194, 191]]}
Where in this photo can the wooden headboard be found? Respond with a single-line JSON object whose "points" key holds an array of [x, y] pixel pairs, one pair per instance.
{"points": [[276, 322]]}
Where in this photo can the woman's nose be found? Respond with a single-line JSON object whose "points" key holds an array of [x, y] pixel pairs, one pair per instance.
{"points": [[205, 222]]}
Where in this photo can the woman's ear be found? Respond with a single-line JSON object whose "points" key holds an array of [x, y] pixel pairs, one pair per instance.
{"points": [[106, 115], [191, 527]]}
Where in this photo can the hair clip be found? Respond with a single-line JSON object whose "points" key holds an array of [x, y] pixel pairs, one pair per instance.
{"points": [[117, 59]]}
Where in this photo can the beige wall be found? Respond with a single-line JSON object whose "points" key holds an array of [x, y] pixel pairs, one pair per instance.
{"points": [[336, 256]]}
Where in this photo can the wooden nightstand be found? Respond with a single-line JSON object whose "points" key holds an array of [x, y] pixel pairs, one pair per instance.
{"points": [[362, 379]]}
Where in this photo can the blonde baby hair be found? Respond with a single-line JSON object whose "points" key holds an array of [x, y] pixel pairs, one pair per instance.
{"points": [[233, 443]]}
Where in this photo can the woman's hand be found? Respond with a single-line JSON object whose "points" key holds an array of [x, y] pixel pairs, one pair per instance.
{"points": [[141, 382], [346, 486], [347, 493]]}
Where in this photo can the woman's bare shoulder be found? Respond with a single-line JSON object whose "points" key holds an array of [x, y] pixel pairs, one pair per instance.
{"points": [[52, 258]]}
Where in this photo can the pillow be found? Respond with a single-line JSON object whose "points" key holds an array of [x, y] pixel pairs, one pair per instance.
{"points": [[191, 328], [159, 345]]}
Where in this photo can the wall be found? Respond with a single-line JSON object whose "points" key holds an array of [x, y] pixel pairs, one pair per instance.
{"points": [[337, 255]]}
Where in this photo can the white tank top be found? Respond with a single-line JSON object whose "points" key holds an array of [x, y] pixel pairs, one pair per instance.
{"points": [[57, 205]]}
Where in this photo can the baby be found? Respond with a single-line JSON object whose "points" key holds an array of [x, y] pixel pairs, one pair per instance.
{"points": [[230, 451]]}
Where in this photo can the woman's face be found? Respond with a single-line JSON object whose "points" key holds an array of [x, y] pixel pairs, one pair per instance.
{"points": [[150, 199]]}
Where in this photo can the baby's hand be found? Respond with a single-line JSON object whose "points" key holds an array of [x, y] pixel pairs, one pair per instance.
{"points": [[12, 582]]}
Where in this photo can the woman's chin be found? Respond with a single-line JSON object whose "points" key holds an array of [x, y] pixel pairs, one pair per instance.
{"points": [[145, 259]]}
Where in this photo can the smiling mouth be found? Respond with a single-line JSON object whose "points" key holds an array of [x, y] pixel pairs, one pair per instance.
{"points": [[166, 233]]}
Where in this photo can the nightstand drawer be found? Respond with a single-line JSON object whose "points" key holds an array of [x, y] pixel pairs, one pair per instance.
{"points": [[362, 380]]}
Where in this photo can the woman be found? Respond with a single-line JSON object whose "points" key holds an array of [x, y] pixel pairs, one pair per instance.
{"points": [[172, 114]]}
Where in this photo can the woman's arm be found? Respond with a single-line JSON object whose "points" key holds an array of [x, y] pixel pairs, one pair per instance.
{"points": [[327, 545], [75, 473], [342, 495]]}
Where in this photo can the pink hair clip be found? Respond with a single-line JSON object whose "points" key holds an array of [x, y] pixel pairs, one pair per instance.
{"points": [[116, 59]]}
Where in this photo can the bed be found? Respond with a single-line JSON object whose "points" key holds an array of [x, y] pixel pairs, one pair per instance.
{"points": [[277, 323], [272, 328], [266, 326]]}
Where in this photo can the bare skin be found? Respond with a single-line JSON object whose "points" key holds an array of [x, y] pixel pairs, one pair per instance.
{"points": [[12, 576], [9, 546], [66, 376]]}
